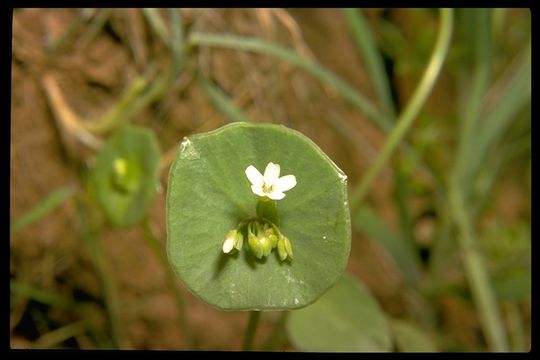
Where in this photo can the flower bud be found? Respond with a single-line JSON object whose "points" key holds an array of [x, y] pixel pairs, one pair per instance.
{"points": [[284, 248], [254, 245], [233, 240], [259, 242], [270, 233], [239, 241]]}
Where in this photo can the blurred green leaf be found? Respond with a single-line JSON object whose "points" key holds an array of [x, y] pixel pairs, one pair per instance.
{"points": [[209, 194], [346, 318], [367, 222], [125, 177], [408, 337], [43, 208]]}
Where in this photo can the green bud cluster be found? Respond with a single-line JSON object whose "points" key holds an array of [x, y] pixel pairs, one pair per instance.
{"points": [[123, 177], [262, 238]]}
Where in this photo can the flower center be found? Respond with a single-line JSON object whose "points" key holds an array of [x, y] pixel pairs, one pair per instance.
{"points": [[267, 189]]}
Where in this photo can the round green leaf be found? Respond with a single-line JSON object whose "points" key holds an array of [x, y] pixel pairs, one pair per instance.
{"points": [[125, 177], [209, 194], [346, 318], [408, 337]]}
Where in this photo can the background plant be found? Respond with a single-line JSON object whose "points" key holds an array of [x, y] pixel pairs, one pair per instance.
{"points": [[438, 166]]}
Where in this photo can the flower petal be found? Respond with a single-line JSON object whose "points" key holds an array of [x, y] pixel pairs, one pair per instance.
{"points": [[254, 176], [271, 173], [276, 195], [286, 182], [228, 245], [257, 190]]}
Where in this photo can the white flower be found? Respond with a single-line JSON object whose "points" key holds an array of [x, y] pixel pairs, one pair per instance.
{"points": [[270, 184]]}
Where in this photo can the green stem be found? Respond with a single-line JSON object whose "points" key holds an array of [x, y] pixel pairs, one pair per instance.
{"points": [[90, 236], [515, 326], [413, 107], [117, 115], [254, 317], [278, 335], [154, 244], [264, 47], [476, 273]]}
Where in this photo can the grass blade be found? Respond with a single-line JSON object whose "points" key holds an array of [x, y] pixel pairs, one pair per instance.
{"points": [[43, 296], [157, 24], [265, 47], [43, 208], [368, 48], [512, 94], [221, 101]]}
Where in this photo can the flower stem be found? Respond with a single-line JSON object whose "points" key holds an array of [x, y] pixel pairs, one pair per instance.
{"points": [[278, 335], [90, 235], [413, 107], [254, 317], [154, 244]]}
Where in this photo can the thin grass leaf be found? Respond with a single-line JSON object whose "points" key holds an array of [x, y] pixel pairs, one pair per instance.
{"points": [[71, 32], [157, 24], [368, 47], [222, 102], [513, 94], [264, 47], [478, 20], [476, 272], [55, 337], [413, 107], [177, 40], [43, 208], [41, 295], [95, 26]]}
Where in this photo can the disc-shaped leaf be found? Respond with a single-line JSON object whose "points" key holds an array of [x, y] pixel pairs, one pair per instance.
{"points": [[346, 318], [209, 194], [126, 174], [408, 337]]}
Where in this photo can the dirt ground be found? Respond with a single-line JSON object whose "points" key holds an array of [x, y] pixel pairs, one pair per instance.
{"points": [[92, 75]]}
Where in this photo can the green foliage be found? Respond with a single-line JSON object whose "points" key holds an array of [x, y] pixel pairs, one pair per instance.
{"points": [[409, 338], [209, 194], [346, 318], [125, 177]]}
